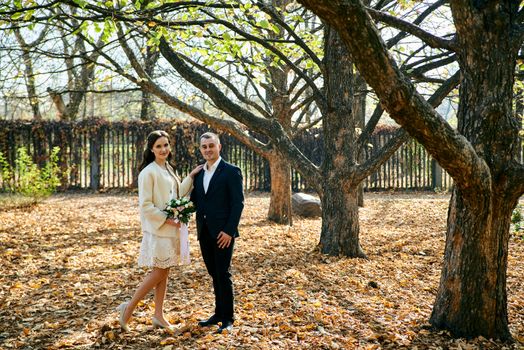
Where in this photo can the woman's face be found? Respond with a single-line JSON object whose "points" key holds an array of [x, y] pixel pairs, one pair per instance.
{"points": [[161, 148]]}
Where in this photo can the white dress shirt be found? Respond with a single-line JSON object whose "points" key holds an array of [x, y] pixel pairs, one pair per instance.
{"points": [[208, 173]]}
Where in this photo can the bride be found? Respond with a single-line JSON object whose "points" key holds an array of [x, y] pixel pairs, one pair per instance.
{"points": [[164, 244]]}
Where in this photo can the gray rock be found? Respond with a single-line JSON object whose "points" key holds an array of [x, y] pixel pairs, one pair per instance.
{"points": [[306, 205]]}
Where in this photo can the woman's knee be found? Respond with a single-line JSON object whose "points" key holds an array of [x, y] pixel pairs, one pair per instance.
{"points": [[161, 273]]}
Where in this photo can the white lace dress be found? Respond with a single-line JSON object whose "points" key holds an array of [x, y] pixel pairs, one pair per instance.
{"points": [[157, 249], [164, 252]]}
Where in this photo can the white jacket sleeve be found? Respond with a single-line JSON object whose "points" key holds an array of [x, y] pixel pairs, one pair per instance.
{"points": [[155, 217], [185, 187]]}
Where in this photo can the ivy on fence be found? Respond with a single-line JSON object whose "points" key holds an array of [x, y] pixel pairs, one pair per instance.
{"points": [[95, 153]]}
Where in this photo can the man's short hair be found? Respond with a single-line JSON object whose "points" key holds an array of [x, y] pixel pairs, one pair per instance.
{"points": [[210, 135]]}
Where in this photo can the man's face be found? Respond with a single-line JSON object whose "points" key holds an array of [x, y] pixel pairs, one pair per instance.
{"points": [[210, 149]]}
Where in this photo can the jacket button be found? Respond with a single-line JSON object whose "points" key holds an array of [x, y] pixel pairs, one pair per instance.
{"points": [[204, 216]]}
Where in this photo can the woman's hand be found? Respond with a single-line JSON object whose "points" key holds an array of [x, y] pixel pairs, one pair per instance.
{"points": [[172, 222], [196, 171]]}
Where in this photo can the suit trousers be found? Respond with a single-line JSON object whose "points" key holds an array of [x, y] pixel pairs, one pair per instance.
{"points": [[218, 263]]}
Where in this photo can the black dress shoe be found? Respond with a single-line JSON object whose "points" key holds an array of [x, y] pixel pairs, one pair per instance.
{"points": [[226, 326], [209, 322]]}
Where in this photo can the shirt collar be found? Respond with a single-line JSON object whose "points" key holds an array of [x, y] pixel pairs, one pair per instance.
{"points": [[214, 166]]}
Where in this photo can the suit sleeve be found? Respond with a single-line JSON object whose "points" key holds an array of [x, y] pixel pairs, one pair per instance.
{"points": [[185, 187], [152, 214], [236, 195]]}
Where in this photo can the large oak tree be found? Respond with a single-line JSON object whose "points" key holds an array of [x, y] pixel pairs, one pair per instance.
{"points": [[482, 155]]}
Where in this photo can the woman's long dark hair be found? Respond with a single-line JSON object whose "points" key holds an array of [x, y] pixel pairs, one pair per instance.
{"points": [[148, 155]]}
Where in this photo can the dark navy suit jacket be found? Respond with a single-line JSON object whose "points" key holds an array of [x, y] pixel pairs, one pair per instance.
{"points": [[220, 208]]}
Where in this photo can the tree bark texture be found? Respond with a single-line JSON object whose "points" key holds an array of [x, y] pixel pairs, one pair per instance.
{"points": [[29, 75], [280, 202], [340, 226], [147, 109], [472, 299], [472, 296], [277, 94]]}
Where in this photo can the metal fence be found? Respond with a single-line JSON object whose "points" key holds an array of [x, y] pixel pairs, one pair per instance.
{"points": [[100, 155]]}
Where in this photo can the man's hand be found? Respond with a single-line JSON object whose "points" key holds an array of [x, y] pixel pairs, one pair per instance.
{"points": [[224, 240]]}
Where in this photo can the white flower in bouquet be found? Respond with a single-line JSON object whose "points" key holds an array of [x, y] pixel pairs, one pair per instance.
{"points": [[180, 209]]}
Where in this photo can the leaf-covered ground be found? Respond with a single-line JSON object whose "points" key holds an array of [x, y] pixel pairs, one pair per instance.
{"points": [[68, 262]]}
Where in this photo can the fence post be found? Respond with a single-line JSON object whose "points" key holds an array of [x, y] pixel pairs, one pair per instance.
{"points": [[436, 175], [39, 133], [58, 136], [94, 157]]}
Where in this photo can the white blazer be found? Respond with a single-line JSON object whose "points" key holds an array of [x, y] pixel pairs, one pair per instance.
{"points": [[156, 187]]}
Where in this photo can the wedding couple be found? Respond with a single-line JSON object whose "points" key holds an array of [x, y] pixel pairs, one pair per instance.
{"points": [[215, 188]]}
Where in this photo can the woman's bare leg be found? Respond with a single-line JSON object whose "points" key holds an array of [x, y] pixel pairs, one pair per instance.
{"points": [[160, 295], [152, 279]]}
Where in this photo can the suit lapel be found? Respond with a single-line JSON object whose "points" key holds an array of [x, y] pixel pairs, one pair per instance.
{"points": [[199, 183], [216, 174]]}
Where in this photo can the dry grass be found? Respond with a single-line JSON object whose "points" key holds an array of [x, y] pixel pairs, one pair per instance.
{"points": [[14, 201]]}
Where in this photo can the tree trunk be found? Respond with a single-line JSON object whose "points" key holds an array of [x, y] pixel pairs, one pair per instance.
{"points": [[61, 110], [95, 157], [140, 137], [471, 300], [76, 98], [87, 74], [472, 296], [147, 110], [29, 75], [277, 95], [340, 226], [519, 97], [280, 203]]}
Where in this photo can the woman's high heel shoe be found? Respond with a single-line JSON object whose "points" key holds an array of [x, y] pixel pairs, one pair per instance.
{"points": [[157, 324], [122, 310]]}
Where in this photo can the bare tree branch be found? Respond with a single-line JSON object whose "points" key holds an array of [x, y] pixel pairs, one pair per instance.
{"points": [[428, 38], [271, 11], [145, 82], [277, 52], [371, 165], [400, 98], [393, 41], [226, 82], [271, 127]]}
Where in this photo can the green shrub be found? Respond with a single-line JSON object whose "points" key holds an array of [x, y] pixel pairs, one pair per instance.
{"points": [[27, 178]]}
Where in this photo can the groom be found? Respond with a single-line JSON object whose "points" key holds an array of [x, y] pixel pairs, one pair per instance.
{"points": [[219, 200]]}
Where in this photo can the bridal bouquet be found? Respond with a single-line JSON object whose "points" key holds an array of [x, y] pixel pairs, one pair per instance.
{"points": [[180, 209]]}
